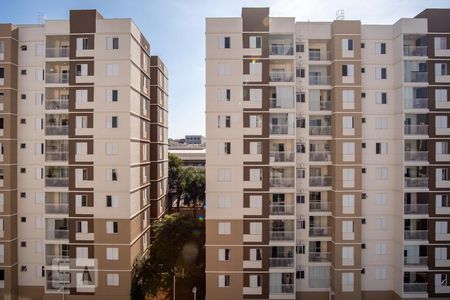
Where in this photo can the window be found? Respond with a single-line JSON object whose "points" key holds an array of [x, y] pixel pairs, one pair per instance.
{"points": [[441, 201], [224, 121], [300, 97], [224, 254], [255, 175], [348, 151], [2, 50], [300, 199], [347, 282], [81, 148], [440, 253], [112, 175], [381, 123], [348, 204], [255, 254], [224, 148], [441, 227], [112, 253], [112, 227], [112, 122], [224, 94], [112, 279], [348, 70], [255, 201], [441, 69], [255, 148], [300, 48], [82, 70], [224, 228], [81, 96], [380, 248], [224, 175], [348, 122], [112, 70], [112, 43], [82, 43], [224, 201], [380, 73], [224, 280], [441, 122], [381, 148], [255, 42], [348, 256], [112, 201], [81, 226], [255, 281], [224, 42], [381, 98], [224, 69], [255, 68], [348, 99], [381, 198], [348, 178], [347, 227], [81, 201], [381, 224], [255, 228], [23, 72], [255, 121], [2, 75], [440, 43], [441, 95], [380, 48], [381, 173], [112, 149], [112, 95], [380, 274]]}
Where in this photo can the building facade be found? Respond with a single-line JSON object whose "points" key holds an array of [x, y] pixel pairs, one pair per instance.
{"points": [[327, 161], [83, 169]]}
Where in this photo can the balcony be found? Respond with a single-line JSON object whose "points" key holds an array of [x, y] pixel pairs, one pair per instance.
{"points": [[320, 156], [279, 49], [416, 76], [319, 256], [319, 130], [319, 231], [280, 210], [320, 181], [56, 156], [416, 129], [319, 79], [415, 50], [281, 103], [416, 209], [282, 156], [281, 235], [56, 181], [282, 182], [57, 52], [281, 262], [57, 208], [280, 129], [57, 260], [416, 103], [416, 182], [60, 78], [55, 104], [56, 129], [320, 105], [316, 55], [56, 234], [319, 206], [280, 76], [414, 261], [416, 287], [282, 289], [416, 235], [416, 155]]}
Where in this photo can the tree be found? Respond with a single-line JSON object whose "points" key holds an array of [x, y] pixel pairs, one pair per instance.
{"points": [[193, 188], [178, 243], [175, 180]]}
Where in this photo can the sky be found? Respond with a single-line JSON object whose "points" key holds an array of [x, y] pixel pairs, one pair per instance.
{"points": [[176, 31]]}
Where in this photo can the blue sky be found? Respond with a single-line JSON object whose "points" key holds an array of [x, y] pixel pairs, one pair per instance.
{"points": [[176, 30]]}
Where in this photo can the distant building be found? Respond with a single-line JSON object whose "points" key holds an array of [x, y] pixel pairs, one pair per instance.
{"points": [[194, 158], [194, 139]]}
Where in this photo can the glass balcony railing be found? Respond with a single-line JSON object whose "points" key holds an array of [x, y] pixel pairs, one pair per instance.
{"points": [[281, 289], [281, 235], [281, 103], [416, 234], [320, 180], [57, 181], [319, 80], [416, 76], [56, 234], [416, 103], [286, 209], [416, 129], [320, 156], [319, 55], [57, 52], [416, 182], [281, 50], [413, 209], [416, 287], [52, 104], [281, 182], [281, 129], [319, 130], [278, 76], [320, 105], [416, 155], [56, 208], [416, 261], [319, 206], [415, 50], [57, 78], [319, 231], [319, 256], [56, 129], [56, 156], [281, 262], [282, 156]]}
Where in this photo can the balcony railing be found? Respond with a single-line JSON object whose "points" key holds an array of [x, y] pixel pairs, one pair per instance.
{"points": [[414, 209], [281, 103], [322, 106], [319, 256], [57, 181], [416, 76], [319, 206], [279, 129], [56, 156], [320, 180], [56, 208], [57, 234], [416, 103], [287, 209], [416, 129], [282, 235], [416, 182], [281, 50], [320, 156], [57, 52], [416, 287], [319, 80], [57, 259], [278, 76], [319, 231], [56, 129], [52, 104], [281, 262], [281, 182], [282, 289], [415, 50], [416, 261], [416, 155], [416, 234], [319, 55], [319, 130], [56, 78], [282, 156]]}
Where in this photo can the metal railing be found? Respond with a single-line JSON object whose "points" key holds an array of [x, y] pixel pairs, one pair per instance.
{"points": [[320, 156], [416, 182], [319, 231], [56, 129], [281, 103], [319, 256], [416, 234], [416, 155], [416, 261], [281, 182], [281, 235], [52, 104], [319, 55], [278, 76], [415, 50], [56, 78], [413, 209], [282, 156], [319, 206], [282, 289], [416, 129], [320, 180], [56, 234], [416, 103], [416, 287], [319, 130], [279, 129], [319, 80], [56, 208], [416, 76], [56, 156], [286, 209], [281, 50], [57, 52], [281, 262], [57, 181]]}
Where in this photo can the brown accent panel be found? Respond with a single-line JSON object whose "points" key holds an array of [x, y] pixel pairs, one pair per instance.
{"points": [[121, 264], [264, 284], [438, 19], [265, 97], [336, 95], [122, 237], [265, 149], [313, 295], [265, 123], [73, 230], [9, 35], [72, 203], [336, 47], [234, 291], [72, 123], [73, 151], [83, 21], [336, 201], [72, 177], [265, 204], [9, 206], [10, 102], [432, 230], [377, 295], [336, 173], [432, 256], [336, 255], [430, 49], [255, 19], [10, 289], [265, 69], [265, 231], [213, 237], [73, 45], [264, 42], [430, 199], [265, 176], [432, 67], [337, 125], [345, 27], [432, 95], [336, 227], [337, 152], [73, 250], [73, 70], [432, 290], [72, 97]]}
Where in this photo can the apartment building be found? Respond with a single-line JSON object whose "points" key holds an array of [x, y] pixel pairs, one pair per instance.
{"points": [[83, 164], [327, 158]]}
